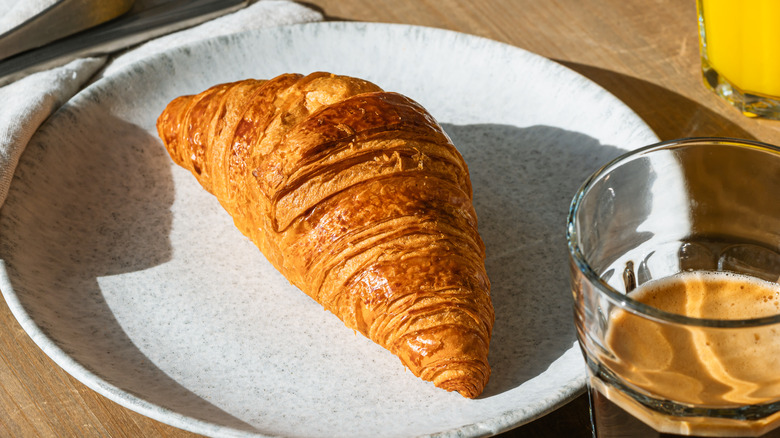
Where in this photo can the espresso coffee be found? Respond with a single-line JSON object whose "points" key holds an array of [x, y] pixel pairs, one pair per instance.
{"points": [[706, 368]]}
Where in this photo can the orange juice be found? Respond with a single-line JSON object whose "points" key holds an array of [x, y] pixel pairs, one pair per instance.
{"points": [[741, 41]]}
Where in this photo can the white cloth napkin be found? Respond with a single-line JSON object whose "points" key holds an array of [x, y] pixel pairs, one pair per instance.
{"points": [[28, 102]]}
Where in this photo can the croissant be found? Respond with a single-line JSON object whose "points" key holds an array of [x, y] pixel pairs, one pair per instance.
{"points": [[360, 199]]}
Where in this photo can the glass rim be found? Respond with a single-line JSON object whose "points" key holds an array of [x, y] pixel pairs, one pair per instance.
{"points": [[623, 301]]}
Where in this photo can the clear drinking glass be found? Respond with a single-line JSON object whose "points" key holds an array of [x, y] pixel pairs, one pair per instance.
{"points": [[739, 42], [688, 209]]}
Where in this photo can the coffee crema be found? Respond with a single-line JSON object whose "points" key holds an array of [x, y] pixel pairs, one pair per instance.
{"points": [[699, 366]]}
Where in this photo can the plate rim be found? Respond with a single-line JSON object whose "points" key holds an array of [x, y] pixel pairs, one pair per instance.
{"points": [[165, 415]]}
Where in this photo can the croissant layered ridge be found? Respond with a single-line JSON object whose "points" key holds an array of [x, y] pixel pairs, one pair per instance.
{"points": [[359, 198]]}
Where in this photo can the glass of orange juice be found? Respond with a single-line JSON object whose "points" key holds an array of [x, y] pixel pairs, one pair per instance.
{"points": [[740, 51], [674, 253]]}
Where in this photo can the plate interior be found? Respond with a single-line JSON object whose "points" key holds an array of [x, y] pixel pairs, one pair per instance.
{"points": [[134, 280]]}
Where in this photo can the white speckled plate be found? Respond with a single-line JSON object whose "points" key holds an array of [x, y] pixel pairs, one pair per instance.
{"points": [[133, 279]]}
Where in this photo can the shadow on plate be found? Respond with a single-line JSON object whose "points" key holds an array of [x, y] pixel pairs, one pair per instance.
{"points": [[83, 209], [113, 204], [511, 366], [524, 180]]}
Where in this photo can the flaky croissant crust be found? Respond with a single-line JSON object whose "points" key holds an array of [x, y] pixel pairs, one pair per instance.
{"points": [[360, 199]]}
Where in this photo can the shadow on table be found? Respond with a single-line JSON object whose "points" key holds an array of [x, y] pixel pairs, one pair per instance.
{"points": [[690, 119], [324, 13]]}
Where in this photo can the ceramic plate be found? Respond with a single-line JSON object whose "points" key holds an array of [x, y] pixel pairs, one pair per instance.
{"points": [[133, 279]]}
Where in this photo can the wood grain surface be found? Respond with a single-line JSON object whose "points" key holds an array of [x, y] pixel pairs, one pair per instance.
{"points": [[643, 51]]}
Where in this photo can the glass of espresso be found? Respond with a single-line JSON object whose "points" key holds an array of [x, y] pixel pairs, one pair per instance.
{"points": [[675, 261]]}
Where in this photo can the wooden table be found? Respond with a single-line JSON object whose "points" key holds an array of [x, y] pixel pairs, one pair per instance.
{"points": [[644, 52]]}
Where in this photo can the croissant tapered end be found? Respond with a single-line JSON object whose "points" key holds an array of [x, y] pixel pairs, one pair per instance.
{"points": [[460, 366], [468, 382], [360, 199]]}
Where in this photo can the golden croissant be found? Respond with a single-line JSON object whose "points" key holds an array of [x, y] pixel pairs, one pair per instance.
{"points": [[360, 199]]}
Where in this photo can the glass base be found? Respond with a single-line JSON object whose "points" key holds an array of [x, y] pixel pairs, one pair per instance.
{"points": [[751, 105], [611, 421]]}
